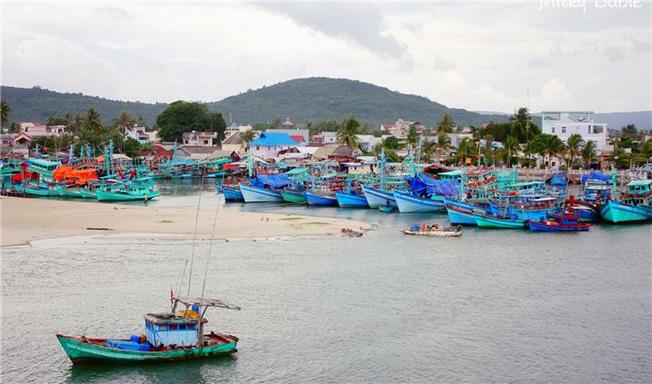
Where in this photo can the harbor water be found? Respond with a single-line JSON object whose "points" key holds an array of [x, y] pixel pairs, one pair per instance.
{"points": [[493, 306]]}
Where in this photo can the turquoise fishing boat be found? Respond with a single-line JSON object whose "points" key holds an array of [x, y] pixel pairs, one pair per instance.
{"points": [[460, 216], [39, 190], [112, 190], [176, 335], [378, 198], [43, 167], [634, 206], [68, 191], [488, 221]]}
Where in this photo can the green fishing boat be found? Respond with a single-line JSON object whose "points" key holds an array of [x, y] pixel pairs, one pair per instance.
{"points": [[68, 191], [484, 221], [178, 335], [293, 196]]}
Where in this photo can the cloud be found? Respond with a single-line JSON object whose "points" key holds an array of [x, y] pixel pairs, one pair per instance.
{"points": [[358, 23], [554, 94]]}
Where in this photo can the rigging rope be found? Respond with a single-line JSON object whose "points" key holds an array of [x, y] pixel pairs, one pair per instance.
{"points": [[194, 239], [210, 246]]}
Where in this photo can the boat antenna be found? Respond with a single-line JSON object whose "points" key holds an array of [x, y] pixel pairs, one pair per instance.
{"points": [[210, 245], [194, 238]]}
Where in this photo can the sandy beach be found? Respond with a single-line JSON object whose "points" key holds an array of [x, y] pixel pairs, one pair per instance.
{"points": [[24, 220]]}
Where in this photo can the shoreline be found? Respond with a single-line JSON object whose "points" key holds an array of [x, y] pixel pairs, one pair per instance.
{"points": [[24, 220]]}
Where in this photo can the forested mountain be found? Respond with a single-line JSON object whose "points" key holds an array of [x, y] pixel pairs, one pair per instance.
{"points": [[302, 100], [320, 98]]}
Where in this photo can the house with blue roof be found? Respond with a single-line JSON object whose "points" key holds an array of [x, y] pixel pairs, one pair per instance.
{"points": [[268, 144]]}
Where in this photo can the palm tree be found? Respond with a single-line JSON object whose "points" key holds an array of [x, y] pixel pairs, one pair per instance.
{"points": [[247, 137], [511, 147], [551, 145], [412, 138], [588, 152], [124, 122], [446, 124], [520, 124], [5, 111], [349, 132], [466, 149], [429, 149], [93, 121], [443, 142], [574, 144]]}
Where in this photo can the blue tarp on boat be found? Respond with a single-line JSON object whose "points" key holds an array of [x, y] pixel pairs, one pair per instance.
{"points": [[597, 176], [559, 179], [274, 181], [128, 345], [424, 186]]}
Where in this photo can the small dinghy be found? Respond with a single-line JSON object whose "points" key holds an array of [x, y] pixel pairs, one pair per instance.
{"points": [[433, 230]]}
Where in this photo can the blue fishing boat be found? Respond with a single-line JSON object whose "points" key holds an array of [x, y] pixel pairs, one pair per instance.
{"points": [[351, 200], [500, 222], [460, 216], [321, 200], [231, 193], [568, 222], [407, 202], [378, 198]]}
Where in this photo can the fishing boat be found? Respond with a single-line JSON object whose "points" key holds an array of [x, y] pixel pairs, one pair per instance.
{"points": [[112, 190], [634, 206], [231, 192], [460, 216], [321, 199], [351, 199], [567, 222], [254, 194], [177, 335], [65, 190], [433, 230], [499, 222], [36, 190], [408, 203], [378, 198], [294, 196]]}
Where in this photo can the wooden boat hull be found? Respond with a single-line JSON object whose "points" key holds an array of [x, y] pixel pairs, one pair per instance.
{"points": [[124, 196], [499, 223], [434, 233], [377, 198], [294, 197], [259, 195], [79, 351], [85, 193], [321, 201], [39, 192], [232, 194], [616, 212], [348, 200], [67, 192], [536, 226], [407, 203], [459, 216]]}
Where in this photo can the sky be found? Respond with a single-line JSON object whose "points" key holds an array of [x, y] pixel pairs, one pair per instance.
{"points": [[488, 56]]}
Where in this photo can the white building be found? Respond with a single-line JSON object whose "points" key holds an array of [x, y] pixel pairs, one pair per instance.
{"points": [[35, 130], [325, 138], [563, 124], [203, 139], [401, 128]]}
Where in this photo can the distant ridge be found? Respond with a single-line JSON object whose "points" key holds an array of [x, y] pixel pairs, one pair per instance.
{"points": [[302, 100], [321, 98]]}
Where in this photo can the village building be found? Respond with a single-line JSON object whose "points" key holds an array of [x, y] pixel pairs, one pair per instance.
{"points": [[235, 128], [138, 133], [234, 143], [36, 130], [200, 139], [401, 128], [367, 143], [457, 137], [563, 124], [269, 144], [337, 152], [324, 138]]}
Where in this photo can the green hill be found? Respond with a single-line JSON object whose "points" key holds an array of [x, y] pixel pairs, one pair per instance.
{"points": [[37, 104], [310, 99], [319, 98]]}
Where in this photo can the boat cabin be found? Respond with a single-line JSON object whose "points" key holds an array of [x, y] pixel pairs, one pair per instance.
{"points": [[638, 192], [168, 329]]}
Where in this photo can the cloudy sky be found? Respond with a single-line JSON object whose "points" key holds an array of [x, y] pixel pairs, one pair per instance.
{"points": [[473, 55]]}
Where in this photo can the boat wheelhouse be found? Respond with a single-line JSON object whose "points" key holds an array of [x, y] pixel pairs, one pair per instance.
{"points": [[634, 206], [177, 335]]}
